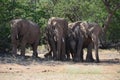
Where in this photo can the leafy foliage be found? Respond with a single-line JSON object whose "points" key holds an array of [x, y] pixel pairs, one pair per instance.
{"points": [[40, 11]]}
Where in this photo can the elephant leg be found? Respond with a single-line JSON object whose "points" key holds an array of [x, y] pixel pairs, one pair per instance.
{"points": [[89, 57], [68, 56], [35, 53], [96, 54], [67, 53], [58, 49], [23, 49], [73, 52], [14, 50], [79, 48], [95, 40], [53, 48], [67, 49], [81, 55], [49, 54]]}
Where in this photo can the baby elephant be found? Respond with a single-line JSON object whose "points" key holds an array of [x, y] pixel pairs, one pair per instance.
{"points": [[24, 32]]}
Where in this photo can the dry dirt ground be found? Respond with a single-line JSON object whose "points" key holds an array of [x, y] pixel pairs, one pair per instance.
{"points": [[41, 69]]}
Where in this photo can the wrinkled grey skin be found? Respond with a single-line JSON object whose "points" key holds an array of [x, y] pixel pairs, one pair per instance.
{"points": [[57, 31], [86, 35], [24, 32], [50, 40], [70, 42]]}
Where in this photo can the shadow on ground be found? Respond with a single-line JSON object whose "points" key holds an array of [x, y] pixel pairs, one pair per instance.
{"points": [[27, 60]]}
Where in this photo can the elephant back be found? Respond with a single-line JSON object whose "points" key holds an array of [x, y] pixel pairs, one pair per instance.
{"points": [[25, 30], [91, 28], [59, 23]]}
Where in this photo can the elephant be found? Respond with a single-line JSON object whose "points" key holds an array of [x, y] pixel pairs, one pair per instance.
{"points": [[24, 32], [70, 42], [85, 35], [49, 38], [56, 35]]}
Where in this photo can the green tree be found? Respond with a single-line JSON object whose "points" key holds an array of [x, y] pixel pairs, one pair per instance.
{"points": [[109, 27], [104, 12]]}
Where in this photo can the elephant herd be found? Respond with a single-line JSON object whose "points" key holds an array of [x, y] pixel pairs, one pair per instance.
{"points": [[64, 39]]}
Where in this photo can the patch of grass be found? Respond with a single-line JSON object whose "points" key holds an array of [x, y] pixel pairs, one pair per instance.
{"points": [[79, 70]]}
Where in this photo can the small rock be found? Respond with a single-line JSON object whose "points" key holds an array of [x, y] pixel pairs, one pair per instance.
{"points": [[10, 68]]}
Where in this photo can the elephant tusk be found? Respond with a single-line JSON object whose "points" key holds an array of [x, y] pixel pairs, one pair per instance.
{"points": [[63, 39]]}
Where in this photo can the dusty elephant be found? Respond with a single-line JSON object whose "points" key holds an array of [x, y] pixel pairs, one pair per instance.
{"points": [[86, 35], [24, 32], [56, 32], [70, 42], [49, 38]]}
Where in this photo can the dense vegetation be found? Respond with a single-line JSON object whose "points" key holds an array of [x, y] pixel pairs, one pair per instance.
{"points": [[40, 11]]}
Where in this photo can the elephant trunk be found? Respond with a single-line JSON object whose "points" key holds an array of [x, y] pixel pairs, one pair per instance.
{"points": [[14, 34], [63, 49], [58, 48], [14, 39]]}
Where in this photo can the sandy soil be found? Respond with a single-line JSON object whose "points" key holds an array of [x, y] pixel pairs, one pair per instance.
{"points": [[39, 69]]}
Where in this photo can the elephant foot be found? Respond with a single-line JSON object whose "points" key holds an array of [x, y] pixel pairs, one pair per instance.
{"points": [[35, 56], [76, 59], [68, 59], [63, 58], [14, 55], [22, 55], [58, 58], [90, 60], [81, 60], [97, 61], [47, 55], [55, 59]]}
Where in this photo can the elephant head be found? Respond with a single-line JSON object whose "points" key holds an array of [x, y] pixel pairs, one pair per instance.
{"points": [[58, 28], [14, 29], [70, 42], [85, 34], [94, 31]]}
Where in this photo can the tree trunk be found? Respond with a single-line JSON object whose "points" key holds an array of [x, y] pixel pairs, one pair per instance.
{"points": [[108, 20]]}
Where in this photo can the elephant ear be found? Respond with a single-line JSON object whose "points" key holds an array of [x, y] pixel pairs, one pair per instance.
{"points": [[84, 28], [55, 34], [91, 27], [14, 31]]}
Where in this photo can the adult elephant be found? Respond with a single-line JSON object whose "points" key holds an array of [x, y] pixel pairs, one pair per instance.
{"points": [[51, 43], [70, 42], [56, 33], [24, 32], [85, 35]]}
